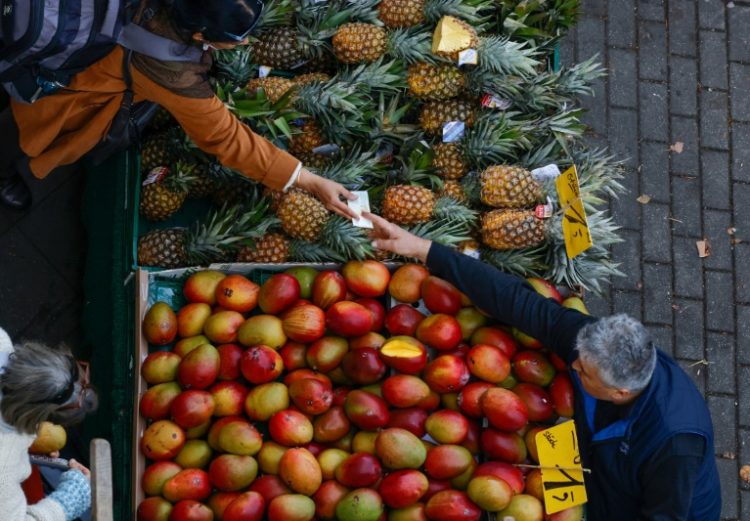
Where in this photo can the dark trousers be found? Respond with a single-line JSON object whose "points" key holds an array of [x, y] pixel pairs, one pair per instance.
{"points": [[10, 151]]}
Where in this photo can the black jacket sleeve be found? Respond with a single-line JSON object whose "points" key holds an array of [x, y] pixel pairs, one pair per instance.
{"points": [[669, 477], [511, 300]]}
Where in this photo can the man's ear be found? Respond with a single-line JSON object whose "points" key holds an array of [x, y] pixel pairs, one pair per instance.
{"points": [[198, 37], [622, 395]]}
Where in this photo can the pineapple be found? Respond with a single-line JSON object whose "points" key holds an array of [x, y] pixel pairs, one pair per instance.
{"points": [[509, 187], [453, 36], [234, 66], [313, 160], [279, 48], [408, 204], [309, 139], [273, 247], [408, 13], [274, 198], [435, 82], [211, 239], [274, 87], [310, 77], [204, 183], [448, 161], [155, 151], [512, 229], [232, 188], [163, 197], [435, 114], [401, 13], [302, 215], [452, 188], [359, 42], [162, 120]]}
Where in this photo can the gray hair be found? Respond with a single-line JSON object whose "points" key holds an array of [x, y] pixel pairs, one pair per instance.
{"points": [[621, 349], [34, 375]]}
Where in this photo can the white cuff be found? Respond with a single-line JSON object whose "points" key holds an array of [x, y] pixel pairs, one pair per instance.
{"points": [[293, 179]]}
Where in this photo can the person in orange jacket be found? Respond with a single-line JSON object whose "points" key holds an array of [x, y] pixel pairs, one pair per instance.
{"points": [[61, 128]]}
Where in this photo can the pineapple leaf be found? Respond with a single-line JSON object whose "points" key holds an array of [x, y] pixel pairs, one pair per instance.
{"points": [[503, 56], [345, 241], [527, 262]]}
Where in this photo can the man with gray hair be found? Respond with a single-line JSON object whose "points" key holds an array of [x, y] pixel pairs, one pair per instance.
{"points": [[643, 427]]}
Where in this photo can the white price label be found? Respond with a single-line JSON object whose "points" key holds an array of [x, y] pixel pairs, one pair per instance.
{"points": [[453, 131], [546, 173], [468, 57], [359, 205], [264, 71]]}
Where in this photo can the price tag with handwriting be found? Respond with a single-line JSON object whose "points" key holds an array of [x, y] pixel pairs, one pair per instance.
{"points": [[562, 472], [575, 227]]}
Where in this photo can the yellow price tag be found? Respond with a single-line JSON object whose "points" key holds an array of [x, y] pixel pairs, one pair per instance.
{"points": [[562, 472], [574, 224]]}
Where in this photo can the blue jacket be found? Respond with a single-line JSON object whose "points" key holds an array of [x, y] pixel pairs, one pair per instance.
{"points": [[670, 405]]}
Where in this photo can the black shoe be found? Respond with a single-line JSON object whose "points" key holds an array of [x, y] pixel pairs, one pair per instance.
{"points": [[14, 193]]}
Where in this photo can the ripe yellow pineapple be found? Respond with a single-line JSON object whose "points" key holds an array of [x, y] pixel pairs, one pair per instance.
{"points": [[305, 142], [435, 114], [359, 42], [509, 187], [272, 247], [274, 87], [302, 215], [448, 161], [155, 151], [401, 13], [279, 48], [452, 36], [408, 204], [435, 82], [512, 229], [453, 189], [309, 77], [163, 196]]}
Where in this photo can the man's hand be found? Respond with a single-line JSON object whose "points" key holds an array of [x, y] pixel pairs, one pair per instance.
{"points": [[389, 237], [329, 192]]}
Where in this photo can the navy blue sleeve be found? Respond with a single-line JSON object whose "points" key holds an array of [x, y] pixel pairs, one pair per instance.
{"points": [[511, 300], [669, 477]]}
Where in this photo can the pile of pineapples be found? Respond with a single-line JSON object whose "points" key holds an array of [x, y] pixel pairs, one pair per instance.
{"points": [[440, 109]]}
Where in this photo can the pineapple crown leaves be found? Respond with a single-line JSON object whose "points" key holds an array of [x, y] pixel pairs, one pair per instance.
{"points": [[538, 19], [476, 12], [352, 169], [446, 233], [564, 126], [234, 66], [414, 166], [577, 80], [345, 241], [378, 76], [503, 56], [305, 251], [495, 138], [526, 262], [363, 11], [386, 120], [276, 13], [483, 81], [411, 45], [448, 210]]}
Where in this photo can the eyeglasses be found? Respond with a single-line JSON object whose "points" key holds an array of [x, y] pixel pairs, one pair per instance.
{"points": [[242, 37], [84, 380]]}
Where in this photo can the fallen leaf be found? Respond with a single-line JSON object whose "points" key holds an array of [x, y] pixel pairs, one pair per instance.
{"points": [[745, 473], [729, 455], [678, 147], [704, 248], [644, 199], [731, 230]]}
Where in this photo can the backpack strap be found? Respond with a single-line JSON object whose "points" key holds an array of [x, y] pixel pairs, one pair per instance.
{"points": [[138, 39]]}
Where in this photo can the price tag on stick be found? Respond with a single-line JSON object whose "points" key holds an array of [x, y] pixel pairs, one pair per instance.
{"points": [[562, 472], [575, 227]]}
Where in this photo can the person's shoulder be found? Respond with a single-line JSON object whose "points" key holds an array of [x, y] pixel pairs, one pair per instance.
{"points": [[6, 345]]}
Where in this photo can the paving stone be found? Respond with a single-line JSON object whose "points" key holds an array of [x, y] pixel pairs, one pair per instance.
{"points": [[33, 286], [697, 373], [683, 82], [651, 10], [627, 302], [741, 206], [653, 108], [663, 337], [655, 180], [744, 449], [721, 368], [686, 206], [714, 119], [657, 293], [590, 38], [685, 130], [596, 111], [688, 269], [689, 329], [745, 499], [594, 7], [724, 417], [628, 254], [682, 28], [568, 49], [742, 272], [715, 179], [623, 91], [719, 301], [715, 225], [652, 51], [739, 33], [739, 79], [741, 151], [744, 396], [729, 493], [623, 135], [621, 16], [743, 335], [713, 59], [598, 305], [711, 14], [656, 233], [626, 209]]}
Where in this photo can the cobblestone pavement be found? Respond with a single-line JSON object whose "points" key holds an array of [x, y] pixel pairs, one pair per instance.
{"points": [[679, 73]]}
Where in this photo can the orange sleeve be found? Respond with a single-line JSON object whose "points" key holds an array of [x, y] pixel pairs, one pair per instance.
{"points": [[216, 131]]}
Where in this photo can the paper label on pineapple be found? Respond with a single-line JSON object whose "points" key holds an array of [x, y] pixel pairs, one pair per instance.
{"points": [[359, 205], [546, 173], [472, 252], [453, 131], [544, 211], [468, 57], [562, 472], [155, 175], [493, 102], [574, 224], [385, 153], [329, 149], [264, 71]]}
